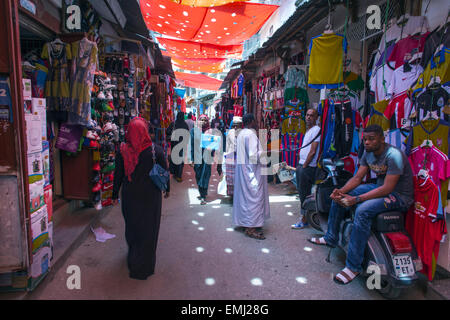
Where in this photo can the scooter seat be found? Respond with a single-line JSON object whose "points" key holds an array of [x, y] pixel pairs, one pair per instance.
{"points": [[390, 221]]}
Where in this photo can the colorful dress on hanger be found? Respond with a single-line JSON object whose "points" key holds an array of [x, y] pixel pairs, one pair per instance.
{"points": [[57, 86], [84, 64]]}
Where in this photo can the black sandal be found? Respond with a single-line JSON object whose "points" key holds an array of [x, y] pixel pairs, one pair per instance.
{"points": [[253, 233]]}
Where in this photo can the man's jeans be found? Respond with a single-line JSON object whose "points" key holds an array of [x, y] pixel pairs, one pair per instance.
{"points": [[304, 181], [365, 213]]}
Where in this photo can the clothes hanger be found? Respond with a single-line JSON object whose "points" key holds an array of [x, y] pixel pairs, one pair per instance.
{"points": [[426, 144]]}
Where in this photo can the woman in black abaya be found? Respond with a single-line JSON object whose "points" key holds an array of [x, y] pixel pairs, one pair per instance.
{"points": [[141, 200]]}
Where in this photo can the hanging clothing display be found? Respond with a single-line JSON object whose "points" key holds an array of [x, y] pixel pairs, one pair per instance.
{"points": [[57, 86], [422, 226], [326, 61], [84, 65]]}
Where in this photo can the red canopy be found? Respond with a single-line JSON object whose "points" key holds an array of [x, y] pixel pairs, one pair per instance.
{"points": [[199, 81], [230, 24], [197, 50], [205, 3], [200, 66]]}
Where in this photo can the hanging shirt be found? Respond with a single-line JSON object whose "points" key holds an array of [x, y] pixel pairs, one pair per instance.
{"points": [[436, 163], [412, 45], [326, 61], [403, 80], [397, 138], [425, 232], [295, 78], [434, 39], [439, 66], [377, 115], [240, 84], [432, 102], [290, 144], [437, 131], [379, 81]]}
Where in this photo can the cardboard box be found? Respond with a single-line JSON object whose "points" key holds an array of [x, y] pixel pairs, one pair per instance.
{"points": [[26, 89], [35, 169], [39, 228], [34, 133], [36, 195], [38, 107], [45, 156], [48, 200]]}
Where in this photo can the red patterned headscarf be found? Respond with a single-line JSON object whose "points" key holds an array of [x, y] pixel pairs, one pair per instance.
{"points": [[205, 126], [137, 140]]}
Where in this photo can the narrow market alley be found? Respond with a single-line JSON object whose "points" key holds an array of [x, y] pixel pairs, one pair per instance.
{"points": [[201, 257]]}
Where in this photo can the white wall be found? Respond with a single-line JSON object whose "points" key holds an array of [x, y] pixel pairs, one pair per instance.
{"points": [[437, 12]]}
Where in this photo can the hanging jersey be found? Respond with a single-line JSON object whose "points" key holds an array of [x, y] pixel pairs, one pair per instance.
{"points": [[402, 81], [377, 115], [431, 103], [326, 61], [425, 233], [397, 138], [437, 131], [437, 163], [343, 135], [410, 45], [439, 66], [290, 146], [400, 107]]}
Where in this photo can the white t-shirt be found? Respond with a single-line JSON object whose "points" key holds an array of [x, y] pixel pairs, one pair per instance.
{"points": [[309, 136], [402, 81]]}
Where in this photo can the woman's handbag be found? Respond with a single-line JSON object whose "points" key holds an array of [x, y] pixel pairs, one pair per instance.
{"points": [[158, 174]]}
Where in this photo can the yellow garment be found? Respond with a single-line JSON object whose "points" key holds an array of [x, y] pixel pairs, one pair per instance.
{"points": [[378, 116], [293, 125], [326, 60], [441, 70]]}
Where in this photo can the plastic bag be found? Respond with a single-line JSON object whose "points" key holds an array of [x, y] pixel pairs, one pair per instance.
{"points": [[222, 187]]}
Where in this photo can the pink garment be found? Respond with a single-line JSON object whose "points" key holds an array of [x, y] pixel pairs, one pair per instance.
{"points": [[411, 45], [437, 163]]}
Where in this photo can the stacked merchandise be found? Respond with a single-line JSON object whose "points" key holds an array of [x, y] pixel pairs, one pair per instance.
{"points": [[39, 185], [410, 79]]}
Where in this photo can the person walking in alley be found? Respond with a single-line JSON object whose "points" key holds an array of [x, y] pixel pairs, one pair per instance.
{"points": [[178, 167], [202, 166], [230, 154], [251, 198], [141, 199], [306, 169], [190, 122]]}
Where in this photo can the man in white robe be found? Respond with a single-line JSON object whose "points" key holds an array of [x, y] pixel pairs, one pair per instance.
{"points": [[251, 198]]}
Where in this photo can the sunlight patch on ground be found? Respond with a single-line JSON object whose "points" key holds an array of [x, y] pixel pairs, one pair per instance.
{"points": [[256, 282], [277, 199]]}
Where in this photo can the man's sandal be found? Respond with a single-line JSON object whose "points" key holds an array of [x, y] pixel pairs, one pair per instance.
{"points": [[345, 276], [253, 233], [320, 241]]}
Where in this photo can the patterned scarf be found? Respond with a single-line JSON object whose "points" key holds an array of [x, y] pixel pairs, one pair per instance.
{"points": [[137, 140]]}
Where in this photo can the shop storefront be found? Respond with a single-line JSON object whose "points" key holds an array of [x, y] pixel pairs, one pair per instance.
{"points": [[326, 58], [73, 74]]}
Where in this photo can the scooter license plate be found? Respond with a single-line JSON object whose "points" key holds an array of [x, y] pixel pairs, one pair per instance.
{"points": [[403, 265]]}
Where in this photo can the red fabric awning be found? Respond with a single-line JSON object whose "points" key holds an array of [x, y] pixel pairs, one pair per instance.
{"points": [[205, 3], [230, 24], [199, 81], [192, 49], [199, 66]]}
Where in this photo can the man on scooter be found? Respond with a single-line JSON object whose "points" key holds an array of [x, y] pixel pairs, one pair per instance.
{"points": [[393, 191]]}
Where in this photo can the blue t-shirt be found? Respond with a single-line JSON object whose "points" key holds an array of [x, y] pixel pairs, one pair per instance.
{"points": [[240, 84]]}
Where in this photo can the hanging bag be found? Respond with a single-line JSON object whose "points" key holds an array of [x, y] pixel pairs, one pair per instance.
{"points": [[158, 174]]}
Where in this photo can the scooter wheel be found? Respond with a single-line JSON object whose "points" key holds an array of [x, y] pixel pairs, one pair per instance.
{"points": [[313, 219], [388, 291]]}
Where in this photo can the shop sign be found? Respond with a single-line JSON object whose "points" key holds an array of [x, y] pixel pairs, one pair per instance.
{"points": [[28, 5]]}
